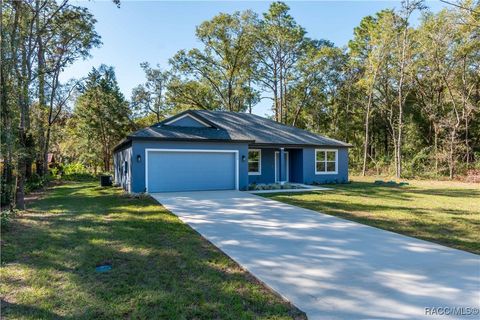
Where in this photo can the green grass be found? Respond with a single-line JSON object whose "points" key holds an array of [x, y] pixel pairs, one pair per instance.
{"points": [[444, 212], [162, 269]]}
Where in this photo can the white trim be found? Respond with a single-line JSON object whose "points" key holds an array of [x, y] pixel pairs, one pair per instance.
{"points": [[288, 165], [336, 161], [147, 150], [259, 173], [188, 115]]}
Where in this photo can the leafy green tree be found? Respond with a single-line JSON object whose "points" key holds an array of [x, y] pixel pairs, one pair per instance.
{"points": [[102, 115], [39, 39], [150, 97], [70, 37], [368, 49], [280, 44], [222, 66]]}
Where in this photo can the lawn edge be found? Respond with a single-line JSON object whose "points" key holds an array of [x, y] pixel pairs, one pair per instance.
{"points": [[249, 275], [367, 225]]}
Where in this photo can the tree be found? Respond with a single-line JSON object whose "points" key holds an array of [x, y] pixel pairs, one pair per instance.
{"points": [[280, 44], [368, 52], [71, 37], [39, 38], [405, 60], [101, 114], [150, 97], [222, 66]]}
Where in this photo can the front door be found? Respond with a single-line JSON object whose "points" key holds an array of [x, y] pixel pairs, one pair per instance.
{"points": [[277, 166]]}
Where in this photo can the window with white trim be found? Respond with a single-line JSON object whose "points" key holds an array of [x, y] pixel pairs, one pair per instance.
{"points": [[254, 161], [326, 161]]}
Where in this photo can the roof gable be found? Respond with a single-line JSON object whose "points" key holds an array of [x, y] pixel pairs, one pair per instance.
{"points": [[186, 120]]}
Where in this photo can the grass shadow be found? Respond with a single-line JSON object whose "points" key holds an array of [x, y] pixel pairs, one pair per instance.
{"points": [[161, 268]]}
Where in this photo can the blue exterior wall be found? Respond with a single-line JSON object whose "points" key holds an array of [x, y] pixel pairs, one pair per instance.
{"points": [[139, 146], [187, 122], [296, 165], [268, 168], [309, 175], [301, 163]]}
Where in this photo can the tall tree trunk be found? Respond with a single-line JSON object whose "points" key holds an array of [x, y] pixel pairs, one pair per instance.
{"points": [[275, 95], [347, 114], [281, 92], [41, 165], [451, 159], [367, 120], [366, 142], [467, 146], [435, 146], [22, 134], [400, 102]]}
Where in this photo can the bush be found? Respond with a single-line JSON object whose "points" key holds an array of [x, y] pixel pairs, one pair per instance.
{"points": [[6, 217], [35, 182], [55, 172], [79, 177], [74, 169], [273, 186]]}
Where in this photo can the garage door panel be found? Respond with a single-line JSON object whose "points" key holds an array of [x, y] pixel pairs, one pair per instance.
{"points": [[190, 171]]}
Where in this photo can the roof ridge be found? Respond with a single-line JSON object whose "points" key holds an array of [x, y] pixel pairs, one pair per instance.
{"points": [[276, 123]]}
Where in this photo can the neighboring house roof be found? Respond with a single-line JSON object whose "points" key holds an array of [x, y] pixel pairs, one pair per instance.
{"points": [[234, 127]]}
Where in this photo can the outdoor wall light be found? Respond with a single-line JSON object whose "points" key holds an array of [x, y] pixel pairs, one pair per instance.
{"points": [[243, 158], [139, 158]]}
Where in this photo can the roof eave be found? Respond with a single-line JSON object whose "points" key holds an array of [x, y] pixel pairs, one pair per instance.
{"points": [[301, 145], [190, 139], [123, 144]]}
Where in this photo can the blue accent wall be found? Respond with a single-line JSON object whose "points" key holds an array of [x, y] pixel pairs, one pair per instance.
{"points": [[296, 165], [309, 175], [187, 122], [301, 163], [268, 168], [139, 146], [295, 169]]}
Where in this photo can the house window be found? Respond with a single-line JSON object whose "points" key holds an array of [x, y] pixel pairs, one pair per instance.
{"points": [[326, 161], [254, 162]]}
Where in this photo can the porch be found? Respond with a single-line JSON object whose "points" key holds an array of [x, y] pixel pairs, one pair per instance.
{"points": [[275, 165]]}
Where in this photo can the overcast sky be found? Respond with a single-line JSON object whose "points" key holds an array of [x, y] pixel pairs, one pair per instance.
{"points": [[154, 31]]}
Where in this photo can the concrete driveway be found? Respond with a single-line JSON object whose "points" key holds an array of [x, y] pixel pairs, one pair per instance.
{"points": [[329, 267]]}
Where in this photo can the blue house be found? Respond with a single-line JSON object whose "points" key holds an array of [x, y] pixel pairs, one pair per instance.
{"points": [[219, 150]]}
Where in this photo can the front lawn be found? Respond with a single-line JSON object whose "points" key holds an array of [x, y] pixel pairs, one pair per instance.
{"points": [[443, 212], [161, 268]]}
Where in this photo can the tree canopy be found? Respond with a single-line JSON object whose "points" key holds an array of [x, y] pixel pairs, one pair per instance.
{"points": [[407, 96]]}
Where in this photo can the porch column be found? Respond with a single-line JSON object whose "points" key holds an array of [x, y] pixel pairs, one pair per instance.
{"points": [[282, 169]]}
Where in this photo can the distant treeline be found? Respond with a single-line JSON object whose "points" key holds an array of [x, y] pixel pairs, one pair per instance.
{"points": [[406, 97]]}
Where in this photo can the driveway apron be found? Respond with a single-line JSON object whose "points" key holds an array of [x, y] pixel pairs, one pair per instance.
{"points": [[333, 268]]}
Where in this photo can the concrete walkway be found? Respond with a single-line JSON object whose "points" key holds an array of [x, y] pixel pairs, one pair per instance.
{"points": [[329, 267]]}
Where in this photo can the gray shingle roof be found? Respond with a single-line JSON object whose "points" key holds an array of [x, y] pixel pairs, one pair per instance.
{"points": [[233, 126]]}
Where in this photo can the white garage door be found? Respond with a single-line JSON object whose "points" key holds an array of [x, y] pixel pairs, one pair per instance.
{"points": [[191, 170]]}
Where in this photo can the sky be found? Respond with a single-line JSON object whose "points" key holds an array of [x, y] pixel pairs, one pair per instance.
{"points": [[153, 31]]}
